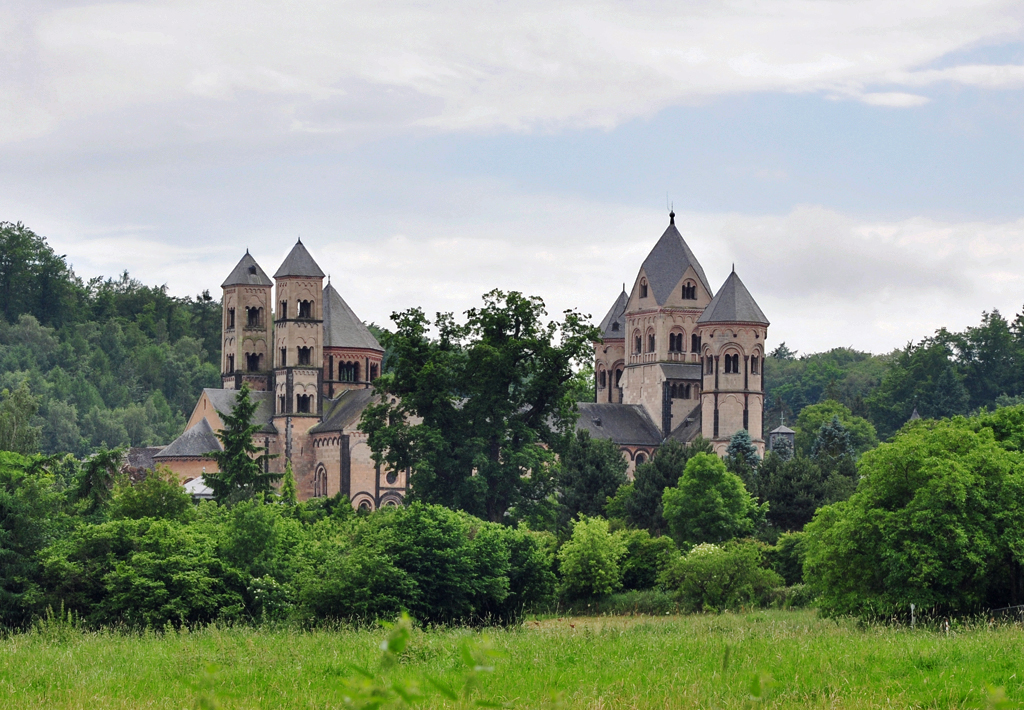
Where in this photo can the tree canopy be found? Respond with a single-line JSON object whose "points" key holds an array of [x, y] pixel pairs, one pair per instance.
{"points": [[477, 411], [242, 464]]}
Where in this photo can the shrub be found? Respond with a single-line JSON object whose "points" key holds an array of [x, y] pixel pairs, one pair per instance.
{"points": [[589, 561], [716, 578], [787, 557], [645, 558], [158, 495]]}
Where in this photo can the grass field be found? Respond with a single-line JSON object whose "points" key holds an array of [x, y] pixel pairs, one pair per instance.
{"points": [[783, 659]]}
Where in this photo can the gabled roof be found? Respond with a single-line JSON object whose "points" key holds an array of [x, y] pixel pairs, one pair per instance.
{"points": [[783, 429], [247, 273], [622, 423], [299, 263], [616, 315], [224, 400], [342, 328], [733, 304], [689, 427], [343, 410], [197, 441], [668, 261]]}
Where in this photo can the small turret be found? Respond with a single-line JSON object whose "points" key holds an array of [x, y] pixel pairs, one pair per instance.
{"points": [[245, 330]]}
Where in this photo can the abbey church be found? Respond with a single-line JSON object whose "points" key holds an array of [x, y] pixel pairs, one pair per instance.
{"points": [[310, 362], [676, 360]]}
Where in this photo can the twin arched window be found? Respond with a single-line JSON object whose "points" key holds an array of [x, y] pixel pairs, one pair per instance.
{"points": [[676, 342], [732, 364], [643, 288], [689, 291]]}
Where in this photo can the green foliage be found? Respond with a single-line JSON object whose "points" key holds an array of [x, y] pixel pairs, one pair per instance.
{"points": [[492, 397], [720, 577], [95, 483], [158, 495], [241, 463], [710, 504], [742, 459], [796, 488], [589, 561], [288, 493], [589, 471], [645, 558], [861, 433], [787, 557], [17, 409], [936, 521], [642, 502]]}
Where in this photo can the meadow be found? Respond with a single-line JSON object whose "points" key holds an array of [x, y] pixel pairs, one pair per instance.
{"points": [[783, 659]]}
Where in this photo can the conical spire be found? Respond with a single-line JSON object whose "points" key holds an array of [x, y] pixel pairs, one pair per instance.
{"points": [[614, 324], [668, 261], [733, 304], [299, 263], [342, 328], [247, 273]]}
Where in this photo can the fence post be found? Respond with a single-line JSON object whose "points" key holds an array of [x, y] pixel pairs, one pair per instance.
{"points": [[911, 616]]}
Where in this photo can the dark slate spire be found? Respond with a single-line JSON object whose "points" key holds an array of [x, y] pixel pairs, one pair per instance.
{"points": [[299, 263], [668, 261], [247, 273], [733, 304], [342, 328], [616, 317]]}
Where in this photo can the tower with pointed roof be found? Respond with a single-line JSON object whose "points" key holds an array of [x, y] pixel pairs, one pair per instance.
{"points": [[352, 356], [245, 326], [655, 366]]}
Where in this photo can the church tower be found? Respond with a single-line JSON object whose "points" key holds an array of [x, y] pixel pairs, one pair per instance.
{"points": [[298, 351], [352, 356], [245, 326], [732, 331]]}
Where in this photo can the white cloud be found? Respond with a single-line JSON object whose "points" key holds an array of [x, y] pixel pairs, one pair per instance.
{"points": [[469, 64]]}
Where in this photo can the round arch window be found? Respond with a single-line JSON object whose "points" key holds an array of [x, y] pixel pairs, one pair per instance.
{"points": [[391, 477]]}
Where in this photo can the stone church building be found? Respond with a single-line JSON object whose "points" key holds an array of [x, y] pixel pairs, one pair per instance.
{"points": [[309, 361], [677, 359]]}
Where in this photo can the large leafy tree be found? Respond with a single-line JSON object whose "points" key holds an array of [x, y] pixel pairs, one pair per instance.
{"points": [[808, 425], [242, 463], [17, 409], [937, 521], [710, 504], [590, 470], [477, 410]]}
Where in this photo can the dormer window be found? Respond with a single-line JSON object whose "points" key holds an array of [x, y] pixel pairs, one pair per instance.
{"points": [[615, 325], [643, 289]]}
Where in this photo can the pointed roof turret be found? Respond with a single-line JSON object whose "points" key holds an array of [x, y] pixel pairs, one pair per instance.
{"points": [[299, 263], [247, 273], [733, 304], [614, 324], [197, 441], [668, 261], [342, 328]]}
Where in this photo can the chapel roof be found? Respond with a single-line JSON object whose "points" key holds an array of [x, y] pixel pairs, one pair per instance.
{"points": [[197, 441], [343, 410], [247, 273], [223, 400], [342, 328], [622, 423], [689, 427], [299, 263], [782, 429], [616, 317], [668, 261], [733, 304]]}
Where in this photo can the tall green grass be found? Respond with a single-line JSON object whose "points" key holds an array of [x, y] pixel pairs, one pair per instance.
{"points": [[784, 659]]}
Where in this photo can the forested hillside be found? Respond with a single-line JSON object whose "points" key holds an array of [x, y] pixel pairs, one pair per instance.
{"points": [[108, 361]]}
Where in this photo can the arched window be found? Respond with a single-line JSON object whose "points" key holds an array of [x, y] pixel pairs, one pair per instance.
{"points": [[695, 343], [231, 363], [284, 357], [640, 458], [710, 362], [650, 342], [672, 391], [348, 371], [304, 355], [304, 403], [252, 362], [373, 371], [284, 310], [689, 291], [643, 288], [675, 342], [602, 380], [365, 505], [687, 395], [732, 364], [755, 365], [281, 404], [618, 377], [252, 317], [638, 343], [320, 482], [231, 318]]}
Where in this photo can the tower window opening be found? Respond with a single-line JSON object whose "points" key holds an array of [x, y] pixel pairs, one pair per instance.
{"points": [[732, 364], [615, 325], [330, 368], [281, 404], [618, 377], [373, 371], [672, 391], [252, 317], [650, 342], [304, 355], [348, 372], [675, 342], [304, 403], [231, 363], [305, 309], [638, 344], [695, 343], [252, 362], [602, 380], [231, 318], [284, 357], [710, 369], [689, 291], [755, 365], [643, 289], [320, 482], [284, 309]]}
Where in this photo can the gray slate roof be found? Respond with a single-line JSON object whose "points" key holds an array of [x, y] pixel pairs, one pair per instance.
{"points": [[733, 304], [247, 273], [342, 328], [224, 400], [682, 371], [197, 441], [668, 261], [688, 428], [343, 410], [141, 457], [782, 430], [299, 263], [622, 423], [617, 314]]}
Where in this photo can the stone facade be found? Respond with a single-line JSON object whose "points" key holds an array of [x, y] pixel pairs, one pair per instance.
{"points": [[677, 360], [310, 363]]}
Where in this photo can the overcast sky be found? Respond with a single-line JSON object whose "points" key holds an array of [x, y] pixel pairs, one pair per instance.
{"points": [[861, 163]]}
